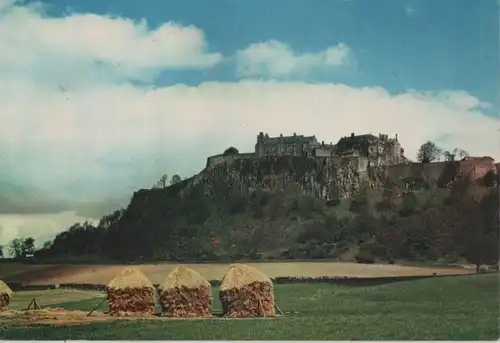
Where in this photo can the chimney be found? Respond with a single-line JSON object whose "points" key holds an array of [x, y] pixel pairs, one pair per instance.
{"points": [[352, 134], [396, 137]]}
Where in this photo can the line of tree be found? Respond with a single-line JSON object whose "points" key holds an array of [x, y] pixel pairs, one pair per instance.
{"points": [[430, 152], [19, 248], [164, 183]]}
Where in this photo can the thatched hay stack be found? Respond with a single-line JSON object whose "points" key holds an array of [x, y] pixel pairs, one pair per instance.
{"points": [[131, 293], [5, 296], [185, 293], [246, 292]]}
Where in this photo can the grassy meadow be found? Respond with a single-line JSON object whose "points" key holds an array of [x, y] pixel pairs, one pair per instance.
{"points": [[449, 308]]}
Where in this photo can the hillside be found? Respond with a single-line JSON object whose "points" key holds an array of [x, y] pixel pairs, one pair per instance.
{"points": [[275, 208]]}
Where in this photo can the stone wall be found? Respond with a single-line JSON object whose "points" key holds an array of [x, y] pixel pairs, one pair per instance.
{"points": [[433, 172], [476, 168], [221, 158], [442, 172]]}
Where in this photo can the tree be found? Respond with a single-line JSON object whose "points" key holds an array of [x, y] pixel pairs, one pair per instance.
{"points": [[428, 152], [409, 205], [111, 219], [162, 182], [490, 179], [16, 247], [478, 235], [175, 179], [231, 151], [361, 202], [450, 156], [1, 251], [28, 246]]}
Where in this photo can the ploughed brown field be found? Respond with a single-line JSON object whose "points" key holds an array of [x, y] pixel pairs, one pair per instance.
{"points": [[102, 274]]}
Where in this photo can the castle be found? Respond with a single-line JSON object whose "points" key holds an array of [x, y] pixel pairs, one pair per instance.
{"points": [[366, 149]]}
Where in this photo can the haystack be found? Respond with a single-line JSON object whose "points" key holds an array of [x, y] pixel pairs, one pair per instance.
{"points": [[185, 293], [246, 292], [5, 296], [131, 293]]}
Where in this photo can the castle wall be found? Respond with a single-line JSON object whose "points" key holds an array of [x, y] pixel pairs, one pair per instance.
{"points": [[220, 158], [362, 164], [433, 172], [497, 167], [477, 168], [319, 152]]}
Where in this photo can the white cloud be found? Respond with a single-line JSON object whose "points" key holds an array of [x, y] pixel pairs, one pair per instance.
{"points": [[41, 227], [118, 124], [278, 59], [102, 136], [34, 44]]}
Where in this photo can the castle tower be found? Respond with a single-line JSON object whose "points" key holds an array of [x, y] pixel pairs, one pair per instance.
{"points": [[259, 147]]}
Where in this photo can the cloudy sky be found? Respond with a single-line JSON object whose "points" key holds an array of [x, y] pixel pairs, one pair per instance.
{"points": [[99, 98]]}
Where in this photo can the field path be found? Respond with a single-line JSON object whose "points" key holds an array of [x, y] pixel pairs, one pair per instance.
{"points": [[102, 274]]}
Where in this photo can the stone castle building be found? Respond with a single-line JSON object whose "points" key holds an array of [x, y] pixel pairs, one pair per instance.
{"points": [[366, 148], [284, 146]]}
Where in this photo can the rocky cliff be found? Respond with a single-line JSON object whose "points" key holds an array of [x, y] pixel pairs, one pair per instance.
{"points": [[320, 177]]}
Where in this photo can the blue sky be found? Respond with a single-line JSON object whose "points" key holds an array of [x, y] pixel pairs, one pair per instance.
{"points": [[425, 45], [102, 97]]}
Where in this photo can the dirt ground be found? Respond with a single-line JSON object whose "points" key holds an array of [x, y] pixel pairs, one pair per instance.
{"points": [[102, 274], [52, 316], [51, 297]]}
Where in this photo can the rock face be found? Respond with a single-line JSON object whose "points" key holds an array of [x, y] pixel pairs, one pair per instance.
{"points": [[320, 177], [326, 178]]}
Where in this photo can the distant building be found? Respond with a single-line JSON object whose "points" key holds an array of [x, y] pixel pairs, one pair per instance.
{"points": [[284, 145], [368, 148], [477, 167], [379, 150]]}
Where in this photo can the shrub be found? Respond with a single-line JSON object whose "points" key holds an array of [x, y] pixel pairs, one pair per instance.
{"points": [[237, 205], [409, 205], [489, 179], [333, 202], [364, 257]]}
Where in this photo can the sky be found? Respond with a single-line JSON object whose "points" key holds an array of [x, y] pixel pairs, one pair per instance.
{"points": [[100, 98]]}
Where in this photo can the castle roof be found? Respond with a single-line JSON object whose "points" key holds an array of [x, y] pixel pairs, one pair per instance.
{"points": [[291, 139], [352, 142], [477, 158]]}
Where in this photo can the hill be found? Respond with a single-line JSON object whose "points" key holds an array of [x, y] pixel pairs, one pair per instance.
{"points": [[294, 207]]}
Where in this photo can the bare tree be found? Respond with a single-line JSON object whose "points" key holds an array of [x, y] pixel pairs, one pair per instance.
{"points": [[162, 182], [451, 155]]}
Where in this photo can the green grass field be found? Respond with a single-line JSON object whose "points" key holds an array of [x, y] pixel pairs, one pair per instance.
{"points": [[451, 308]]}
